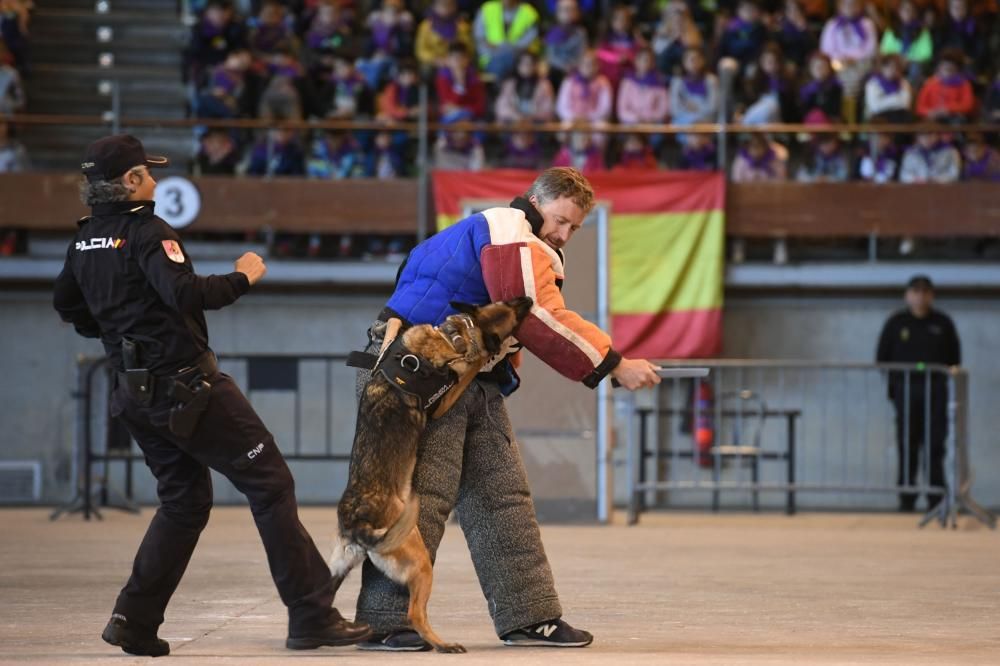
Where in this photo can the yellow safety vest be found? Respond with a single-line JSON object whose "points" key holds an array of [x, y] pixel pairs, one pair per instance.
{"points": [[525, 17]]}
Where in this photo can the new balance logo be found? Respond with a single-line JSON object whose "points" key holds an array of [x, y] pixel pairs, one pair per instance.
{"points": [[255, 451], [546, 629]]}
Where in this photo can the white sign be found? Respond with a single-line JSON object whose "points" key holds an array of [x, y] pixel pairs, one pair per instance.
{"points": [[177, 201]]}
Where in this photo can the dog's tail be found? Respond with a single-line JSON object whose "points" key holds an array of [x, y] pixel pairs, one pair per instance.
{"points": [[384, 540]]}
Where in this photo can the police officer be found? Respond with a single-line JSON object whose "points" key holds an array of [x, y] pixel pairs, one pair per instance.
{"points": [[919, 334], [128, 281]]}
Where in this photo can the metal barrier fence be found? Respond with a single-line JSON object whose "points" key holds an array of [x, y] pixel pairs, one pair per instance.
{"points": [[320, 423], [789, 427]]}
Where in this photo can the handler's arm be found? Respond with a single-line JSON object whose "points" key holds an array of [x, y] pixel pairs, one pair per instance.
{"points": [[559, 336], [67, 298]]}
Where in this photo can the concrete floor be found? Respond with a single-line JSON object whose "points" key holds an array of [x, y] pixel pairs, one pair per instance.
{"points": [[678, 589]]}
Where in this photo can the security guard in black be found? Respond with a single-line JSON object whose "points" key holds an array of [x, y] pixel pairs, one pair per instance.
{"points": [[919, 335], [128, 281]]}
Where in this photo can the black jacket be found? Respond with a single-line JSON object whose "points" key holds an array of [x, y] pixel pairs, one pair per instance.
{"points": [[127, 275], [907, 339]]}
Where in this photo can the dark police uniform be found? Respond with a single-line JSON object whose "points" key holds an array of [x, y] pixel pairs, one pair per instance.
{"points": [[908, 339], [128, 281]]}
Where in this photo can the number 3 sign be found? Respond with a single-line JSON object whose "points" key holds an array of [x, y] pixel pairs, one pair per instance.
{"points": [[177, 201]]}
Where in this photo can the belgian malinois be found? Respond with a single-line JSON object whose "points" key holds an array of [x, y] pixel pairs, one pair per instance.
{"points": [[378, 510]]}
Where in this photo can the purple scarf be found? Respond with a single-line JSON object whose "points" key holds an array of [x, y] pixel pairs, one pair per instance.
{"points": [[348, 86], [560, 34], [383, 35], [620, 40], [702, 158], [955, 81], [885, 160], [463, 86], [814, 87], [407, 96], [855, 22], [762, 163], [268, 38], [228, 80], [584, 84], [966, 26], [739, 25], [696, 86], [444, 27], [523, 158], [650, 79], [888, 86]]}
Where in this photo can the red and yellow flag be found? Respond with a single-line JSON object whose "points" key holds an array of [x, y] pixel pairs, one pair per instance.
{"points": [[667, 238]]}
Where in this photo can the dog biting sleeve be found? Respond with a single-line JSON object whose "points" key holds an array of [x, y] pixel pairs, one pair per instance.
{"points": [[559, 336]]}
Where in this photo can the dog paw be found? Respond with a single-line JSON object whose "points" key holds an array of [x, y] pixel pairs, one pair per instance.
{"points": [[451, 648]]}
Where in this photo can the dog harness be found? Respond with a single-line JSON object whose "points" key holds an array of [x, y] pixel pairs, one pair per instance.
{"points": [[411, 373]]}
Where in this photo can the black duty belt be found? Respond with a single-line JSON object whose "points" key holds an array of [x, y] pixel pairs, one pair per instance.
{"points": [[408, 372], [160, 385]]}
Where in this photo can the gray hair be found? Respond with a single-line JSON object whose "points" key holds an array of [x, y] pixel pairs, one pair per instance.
{"points": [[559, 182], [97, 192]]}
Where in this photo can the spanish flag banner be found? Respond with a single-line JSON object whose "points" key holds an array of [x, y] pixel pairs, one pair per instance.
{"points": [[667, 241]]}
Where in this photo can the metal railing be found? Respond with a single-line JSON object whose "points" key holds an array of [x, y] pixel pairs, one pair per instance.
{"points": [[311, 379], [798, 428]]}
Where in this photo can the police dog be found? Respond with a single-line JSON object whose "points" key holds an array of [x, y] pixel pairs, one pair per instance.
{"points": [[378, 510]]}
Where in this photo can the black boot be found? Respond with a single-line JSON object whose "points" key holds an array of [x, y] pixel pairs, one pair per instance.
{"points": [[134, 639], [337, 631]]}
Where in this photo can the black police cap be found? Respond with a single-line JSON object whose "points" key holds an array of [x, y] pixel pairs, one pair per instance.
{"points": [[921, 282], [112, 156]]}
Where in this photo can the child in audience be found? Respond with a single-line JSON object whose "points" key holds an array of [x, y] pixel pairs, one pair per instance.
{"points": [[744, 35], [217, 33], [347, 93], [698, 153], [636, 155], [675, 34], [385, 159], [581, 152], [278, 155], [442, 28], [616, 51], [400, 100], [947, 96], [391, 37], [522, 150], [881, 160], [335, 155], [768, 93], [821, 99], [982, 162], [643, 96], [760, 160], [850, 40], [907, 36], [694, 96], [887, 93], [930, 160], [565, 42], [461, 94], [458, 151], [271, 31], [586, 95], [218, 154], [827, 164], [790, 30], [225, 93], [526, 96]]}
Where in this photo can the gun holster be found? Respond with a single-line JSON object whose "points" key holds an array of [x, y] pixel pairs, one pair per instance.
{"points": [[190, 402], [140, 382]]}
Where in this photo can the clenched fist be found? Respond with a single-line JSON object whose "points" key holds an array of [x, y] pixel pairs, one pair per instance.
{"points": [[251, 265]]}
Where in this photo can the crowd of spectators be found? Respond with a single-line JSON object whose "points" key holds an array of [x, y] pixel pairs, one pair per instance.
{"points": [[14, 20], [581, 63]]}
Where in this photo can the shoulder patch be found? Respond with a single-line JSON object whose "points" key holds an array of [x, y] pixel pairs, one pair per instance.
{"points": [[173, 251]]}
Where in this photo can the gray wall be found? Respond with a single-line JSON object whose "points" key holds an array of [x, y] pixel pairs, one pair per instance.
{"points": [[39, 374]]}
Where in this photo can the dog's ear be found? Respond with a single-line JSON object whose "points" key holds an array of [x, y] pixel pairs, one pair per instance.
{"points": [[521, 306], [464, 308]]}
